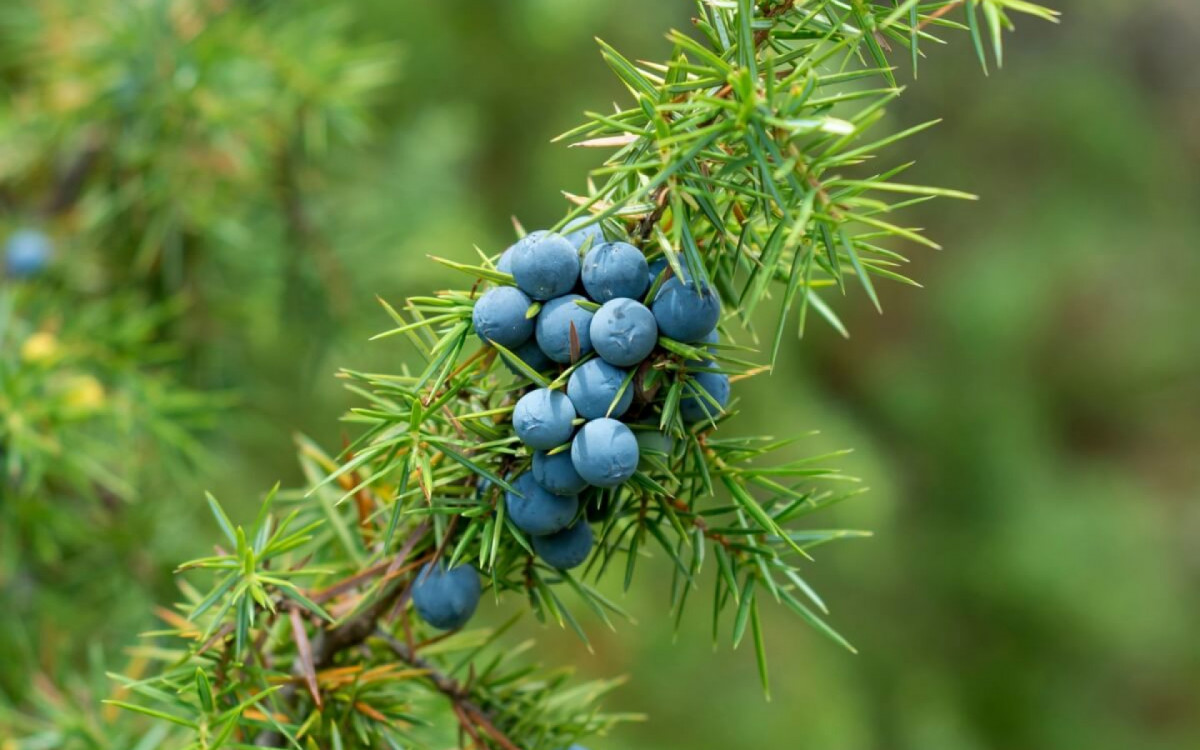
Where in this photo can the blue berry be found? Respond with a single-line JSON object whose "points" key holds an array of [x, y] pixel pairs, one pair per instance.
{"points": [[685, 311], [615, 269], [542, 419], [657, 267], [704, 345], [624, 332], [605, 453], [593, 387], [693, 407], [499, 316], [505, 262], [556, 474], [536, 511], [547, 268], [566, 549], [515, 249], [446, 599], [554, 325], [580, 237], [532, 355], [26, 253]]}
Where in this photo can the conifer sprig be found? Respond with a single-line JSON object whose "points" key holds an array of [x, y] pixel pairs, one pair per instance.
{"points": [[742, 161]]}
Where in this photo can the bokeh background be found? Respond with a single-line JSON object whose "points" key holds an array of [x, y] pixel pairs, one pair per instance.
{"points": [[1028, 423]]}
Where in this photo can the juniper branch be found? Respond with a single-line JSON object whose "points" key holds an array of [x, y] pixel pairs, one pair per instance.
{"points": [[457, 693], [739, 163]]}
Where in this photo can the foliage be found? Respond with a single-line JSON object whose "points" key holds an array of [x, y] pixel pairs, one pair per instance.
{"points": [[198, 110], [94, 422], [176, 146], [740, 162], [164, 147]]}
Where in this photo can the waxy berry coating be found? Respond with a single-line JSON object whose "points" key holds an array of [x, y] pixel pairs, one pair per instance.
{"points": [[685, 311], [499, 317], [446, 599], [565, 549], [593, 387], [605, 453], [506, 258], [554, 325], [615, 269], [536, 511], [556, 474], [657, 267], [624, 332], [542, 419], [546, 268]]}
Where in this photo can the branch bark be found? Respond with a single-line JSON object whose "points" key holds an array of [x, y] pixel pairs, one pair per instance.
{"points": [[325, 648], [455, 691]]}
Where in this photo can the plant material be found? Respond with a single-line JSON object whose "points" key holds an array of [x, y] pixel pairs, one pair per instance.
{"points": [[740, 174]]}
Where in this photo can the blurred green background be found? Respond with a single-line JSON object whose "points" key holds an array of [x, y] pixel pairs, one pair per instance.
{"points": [[1029, 423]]}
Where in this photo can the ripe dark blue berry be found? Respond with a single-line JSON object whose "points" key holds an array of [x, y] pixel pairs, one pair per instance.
{"points": [[605, 452], [26, 253], [536, 511], [685, 311], [542, 419], [506, 258], [580, 237], [704, 345], [593, 387], [556, 474], [532, 355], [446, 599], [546, 268], [694, 407], [613, 270], [499, 317], [624, 332], [657, 267], [554, 325], [565, 549]]}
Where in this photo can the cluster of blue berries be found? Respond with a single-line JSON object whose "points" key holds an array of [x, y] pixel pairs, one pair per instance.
{"points": [[592, 316], [580, 302]]}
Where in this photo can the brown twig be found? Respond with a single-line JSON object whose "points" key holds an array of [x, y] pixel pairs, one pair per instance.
{"points": [[329, 643], [455, 691], [698, 521], [762, 35]]}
